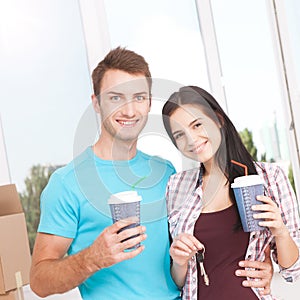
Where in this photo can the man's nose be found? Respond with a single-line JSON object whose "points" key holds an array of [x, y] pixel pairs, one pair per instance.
{"points": [[128, 109]]}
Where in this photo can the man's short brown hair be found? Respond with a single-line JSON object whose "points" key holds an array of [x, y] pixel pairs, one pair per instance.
{"points": [[124, 60]]}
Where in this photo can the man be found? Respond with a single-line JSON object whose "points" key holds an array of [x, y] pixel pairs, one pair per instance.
{"points": [[74, 213]]}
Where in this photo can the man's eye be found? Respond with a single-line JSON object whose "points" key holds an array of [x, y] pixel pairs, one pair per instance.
{"points": [[140, 98], [197, 125], [115, 98]]}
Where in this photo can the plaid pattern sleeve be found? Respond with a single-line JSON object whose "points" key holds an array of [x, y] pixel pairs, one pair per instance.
{"points": [[184, 202], [184, 205], [279, 190]]}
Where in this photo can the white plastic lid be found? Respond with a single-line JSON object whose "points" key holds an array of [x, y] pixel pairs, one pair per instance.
{"points": [[124, 197], [246, 181]]}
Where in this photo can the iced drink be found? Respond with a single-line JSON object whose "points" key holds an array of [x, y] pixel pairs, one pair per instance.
{"points": [[246, 188], [124, 205]]}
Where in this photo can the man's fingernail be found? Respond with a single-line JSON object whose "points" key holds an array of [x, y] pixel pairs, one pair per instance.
{"points": [[238, 272], [241, 264], [245, 283]]}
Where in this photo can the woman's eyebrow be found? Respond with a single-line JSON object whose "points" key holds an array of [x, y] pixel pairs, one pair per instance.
{"points": [[194, 121], [175, 132]]}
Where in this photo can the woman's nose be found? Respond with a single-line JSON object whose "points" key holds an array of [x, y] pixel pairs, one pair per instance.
{"points": [[191, 138]]}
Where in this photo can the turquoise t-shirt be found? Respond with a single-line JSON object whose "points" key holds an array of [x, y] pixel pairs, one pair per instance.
{"points": [[74, 205]]}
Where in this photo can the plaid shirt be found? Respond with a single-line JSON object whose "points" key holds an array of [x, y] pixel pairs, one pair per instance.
{"points": [[184, 201]]}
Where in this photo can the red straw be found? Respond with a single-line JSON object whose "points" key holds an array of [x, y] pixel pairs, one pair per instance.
{"points": [[241, 165]]}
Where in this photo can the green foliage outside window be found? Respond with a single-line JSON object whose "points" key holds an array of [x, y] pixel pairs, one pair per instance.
{"points": [[30, 198], [291, 178], [247, 139]]}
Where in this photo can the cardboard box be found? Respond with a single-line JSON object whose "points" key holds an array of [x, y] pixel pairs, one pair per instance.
{"points": [[13, 295], [14, 245]]}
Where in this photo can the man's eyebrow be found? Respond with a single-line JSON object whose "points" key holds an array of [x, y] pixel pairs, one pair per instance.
{"points": [[140, 93], [121, 94], [115, 93]]}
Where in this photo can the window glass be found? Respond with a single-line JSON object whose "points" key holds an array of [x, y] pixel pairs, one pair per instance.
{"points": [[167, 34], [250, 75], [293, 19], [44, 79]]}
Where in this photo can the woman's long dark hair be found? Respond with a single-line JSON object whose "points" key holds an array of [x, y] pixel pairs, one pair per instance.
{"points": [[231, 147]]}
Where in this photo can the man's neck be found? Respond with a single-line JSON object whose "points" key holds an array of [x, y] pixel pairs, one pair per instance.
{"points": [[114, 150]]}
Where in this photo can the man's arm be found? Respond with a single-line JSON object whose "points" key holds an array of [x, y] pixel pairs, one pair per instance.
{"points": [[259, 270], [52, 272]]}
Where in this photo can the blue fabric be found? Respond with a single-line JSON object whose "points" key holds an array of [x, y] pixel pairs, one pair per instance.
{"points": [[74, 205]]}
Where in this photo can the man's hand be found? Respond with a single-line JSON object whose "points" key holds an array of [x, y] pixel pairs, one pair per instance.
{"points": [[108, 248], [261, 270], [52, 272]]}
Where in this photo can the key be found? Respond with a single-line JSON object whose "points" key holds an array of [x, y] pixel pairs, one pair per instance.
{"points": [[200, 260]]}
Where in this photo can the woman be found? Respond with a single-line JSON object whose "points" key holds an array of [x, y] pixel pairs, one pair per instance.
{"points": [[202, 209]]}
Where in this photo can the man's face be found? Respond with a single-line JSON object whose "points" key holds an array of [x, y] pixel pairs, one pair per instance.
{"points": [[124, 105]]}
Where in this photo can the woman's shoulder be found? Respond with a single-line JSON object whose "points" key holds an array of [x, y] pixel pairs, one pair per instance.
{"points": [[185, 175], [184, 180], [270, 171]]}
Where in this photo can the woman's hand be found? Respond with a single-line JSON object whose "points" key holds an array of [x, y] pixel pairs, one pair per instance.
{"points": [[270, 212], [287, 250], [184, 246]]}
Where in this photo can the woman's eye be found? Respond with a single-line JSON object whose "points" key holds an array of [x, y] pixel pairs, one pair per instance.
{"points": [[178, 135], [197, 125]]}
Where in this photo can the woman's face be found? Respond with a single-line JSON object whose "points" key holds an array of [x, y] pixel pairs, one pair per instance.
{"points": [[196, 135]]}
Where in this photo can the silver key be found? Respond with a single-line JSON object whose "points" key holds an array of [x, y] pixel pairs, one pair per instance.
{"points": [[200, 259]]}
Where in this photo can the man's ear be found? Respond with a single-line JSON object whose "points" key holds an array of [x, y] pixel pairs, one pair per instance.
{"points": [[95, 102], [150, 102]]}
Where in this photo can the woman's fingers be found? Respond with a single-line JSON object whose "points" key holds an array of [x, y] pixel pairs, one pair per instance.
{"points": [[185, 245]]}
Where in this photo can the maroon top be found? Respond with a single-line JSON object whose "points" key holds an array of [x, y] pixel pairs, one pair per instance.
{"points": [[224, 248]]}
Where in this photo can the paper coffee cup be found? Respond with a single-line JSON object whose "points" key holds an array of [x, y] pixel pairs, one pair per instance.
{"points": [[124, 205], [245, 189]]}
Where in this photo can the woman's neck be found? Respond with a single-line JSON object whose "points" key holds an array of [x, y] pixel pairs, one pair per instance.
{"points": [[215, 187], [211, 169]]}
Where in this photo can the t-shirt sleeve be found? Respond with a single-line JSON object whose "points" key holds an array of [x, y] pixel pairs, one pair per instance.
{"points": [[172, 168], [59, 209]]}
